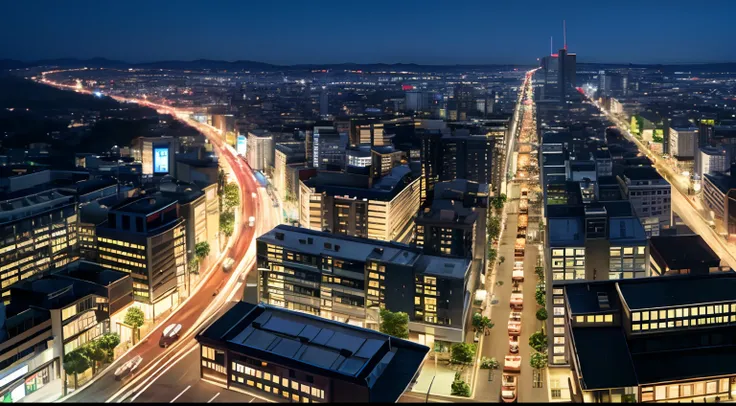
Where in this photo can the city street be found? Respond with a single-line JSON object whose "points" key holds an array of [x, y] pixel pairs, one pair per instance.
{"points": [[681, 204], [217, 285]]}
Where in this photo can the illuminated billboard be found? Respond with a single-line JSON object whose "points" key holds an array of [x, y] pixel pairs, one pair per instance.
{"points": [[161, 160], [241, 145]]}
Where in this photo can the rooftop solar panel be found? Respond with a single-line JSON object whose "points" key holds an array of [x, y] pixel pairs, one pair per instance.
{"points": [[323, 337], [260, 339], [286, 347], [369, 348], [342, 341], [319, 357], [351, 366]]}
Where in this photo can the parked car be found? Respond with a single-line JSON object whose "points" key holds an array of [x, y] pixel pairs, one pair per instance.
{"points": [[514, 344], [512, 363], [514, 324], [517, 275], [508, 388], [517, 301]]}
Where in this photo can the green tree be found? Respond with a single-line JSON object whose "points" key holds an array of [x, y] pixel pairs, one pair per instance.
{"points": [[227, 223], [459, 387], [75, 363], [135, 318], [193, 266], [542, 314], [481, 323], [462, 353], [538, 341], [499, 201], [108, 343], [492, 253], [394, 323], [488, 363], [501, 259], [539, 295], [231, 196], [221, 181], [202, 249], [540, 272], [538, 360], [494, 227], [94, 354]]}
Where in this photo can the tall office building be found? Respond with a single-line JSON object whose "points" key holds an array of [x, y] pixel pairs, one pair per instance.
{"points": [[260, 150], [464, 97], [39, 233], [327, 148], [323, 105], [356, 205], [157, 154], [146, 237], [368, 132]]}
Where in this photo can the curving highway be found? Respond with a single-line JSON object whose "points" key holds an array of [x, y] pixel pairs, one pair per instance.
{"points": [[212, 294]]}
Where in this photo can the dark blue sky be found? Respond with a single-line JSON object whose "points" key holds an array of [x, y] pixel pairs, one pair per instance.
{"points": [[326, 31]]}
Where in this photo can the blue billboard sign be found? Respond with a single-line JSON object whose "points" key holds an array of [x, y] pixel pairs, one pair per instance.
{"points": [[161, 160], [241, 145]]}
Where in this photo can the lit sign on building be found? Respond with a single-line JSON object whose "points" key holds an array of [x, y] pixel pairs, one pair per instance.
{"points": [[161, 160], [241, 145]]}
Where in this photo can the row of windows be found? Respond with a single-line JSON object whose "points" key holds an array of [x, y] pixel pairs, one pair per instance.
{"points": [[121, 243], [125, 253], [683, 312], [598, 318], [123, 261], [702, 321], [663, 392], [267, 381]]}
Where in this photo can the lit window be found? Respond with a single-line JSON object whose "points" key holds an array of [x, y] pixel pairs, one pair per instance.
{"points": [[609, 318], [678, 312], [654, 315], [591, 319], [635, 316], [662, 314], [599, 318], [635, 327], [580, 319]]}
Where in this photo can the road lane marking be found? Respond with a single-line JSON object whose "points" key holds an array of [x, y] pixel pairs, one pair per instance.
{"points": [[214, 397], [179, 395], [251, 400], [139, 392]]}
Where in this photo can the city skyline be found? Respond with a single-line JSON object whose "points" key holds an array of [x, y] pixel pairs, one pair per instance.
{"points": [[408, 32]]}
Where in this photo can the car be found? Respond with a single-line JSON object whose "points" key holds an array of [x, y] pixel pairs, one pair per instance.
{"points": [[169, 335], [512, 363], [514, 328], [517, 275], [517, 301], [514, 344], [128, 368], [508, 388], [251, 221], [227, 264]]}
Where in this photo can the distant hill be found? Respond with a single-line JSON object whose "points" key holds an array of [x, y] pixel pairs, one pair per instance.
{"points": [[244, 65]]}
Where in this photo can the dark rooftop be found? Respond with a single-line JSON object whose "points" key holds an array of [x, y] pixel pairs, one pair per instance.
{"points": [[683, 251], [642, 173], [603, 357], [383, 364], [144, 204]]}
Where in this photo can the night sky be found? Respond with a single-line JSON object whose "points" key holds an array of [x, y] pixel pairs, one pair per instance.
{"points": [[326, 31]]}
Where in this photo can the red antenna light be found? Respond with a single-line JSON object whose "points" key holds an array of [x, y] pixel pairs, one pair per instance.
{"points": [[564, 34]]}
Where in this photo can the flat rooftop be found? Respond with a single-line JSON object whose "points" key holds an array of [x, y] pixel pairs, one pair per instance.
{"points": [[384, 364], [145, 204], [339, 246], [679, 290], [683, 251]]}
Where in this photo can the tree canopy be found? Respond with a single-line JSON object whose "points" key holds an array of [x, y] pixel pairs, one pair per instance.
{"points": [[394, 323]]}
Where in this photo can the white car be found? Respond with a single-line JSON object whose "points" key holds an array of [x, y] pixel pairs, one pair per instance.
{"points": [[512, 363]]}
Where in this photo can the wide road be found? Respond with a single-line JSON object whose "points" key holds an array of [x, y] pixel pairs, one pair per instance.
{"points": [[681, 202], [213, 286]]}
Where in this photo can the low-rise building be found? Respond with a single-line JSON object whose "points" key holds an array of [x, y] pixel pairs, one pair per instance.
{"points": [[650, 196], [682, 254], [349, 279], [293, 357], [667, 339]]}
